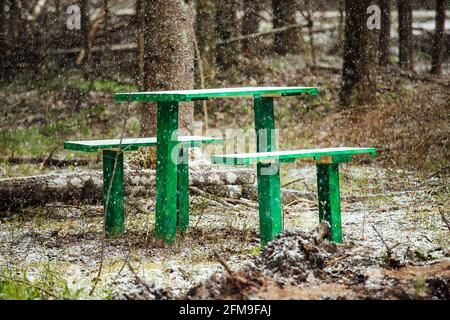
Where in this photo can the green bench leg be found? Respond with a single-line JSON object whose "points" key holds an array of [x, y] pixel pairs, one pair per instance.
{"points": [[269, 198], [329, 198], [269, 192], [166, 172], [114, 204], [183, 191]]}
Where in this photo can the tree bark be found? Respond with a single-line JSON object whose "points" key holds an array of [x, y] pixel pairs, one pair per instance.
{"points": [[341, 26], [250, 25], [140, 15], [226, 28], [85, 27], [385, 32], [438, 43], [283, 15], [356, 74], [206, 39], [18, 193], [3, 41], [405, 35], [169, 56]]}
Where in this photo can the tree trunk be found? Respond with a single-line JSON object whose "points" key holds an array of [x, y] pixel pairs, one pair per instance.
{"points": [[206, 39], [140, 16], [169, 55], [341, 26], [3, 41], [18, 193], [405, 36], [226, 28], [283, 15], [356, 74], [85, 27], [385, 32], [106, 17], [250, 25], [438, 44]]}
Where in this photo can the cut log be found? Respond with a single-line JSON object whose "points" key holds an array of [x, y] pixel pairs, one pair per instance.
{"points": [[87, 187]]}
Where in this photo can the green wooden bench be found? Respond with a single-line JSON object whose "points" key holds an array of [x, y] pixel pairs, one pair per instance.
{"points": [[113, 174], [269, 192]]}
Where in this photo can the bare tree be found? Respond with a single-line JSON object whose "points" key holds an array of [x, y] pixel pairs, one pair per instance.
{"points": [[405, 35], [438, 43], [226, 28], [356, 76], [250, 25], [284, 15], [169, 55], [385, 32]]}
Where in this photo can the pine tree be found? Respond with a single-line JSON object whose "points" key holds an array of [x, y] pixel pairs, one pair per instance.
{"points": [[250, 25], [284, 15], [169, 55], [356, 76], [385, 32], [438, 43], [405, 35]]}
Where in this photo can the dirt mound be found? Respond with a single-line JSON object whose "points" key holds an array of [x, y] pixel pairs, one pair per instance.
{"points": [[298, 265], [296, 255], [142, 292]]}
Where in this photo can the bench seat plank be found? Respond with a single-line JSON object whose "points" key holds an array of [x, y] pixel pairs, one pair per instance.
{"points": [[288, 156], [133, 143], [205, 94]]}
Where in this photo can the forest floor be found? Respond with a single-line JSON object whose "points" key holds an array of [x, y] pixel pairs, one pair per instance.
{"points": [[383, 211], [395, 207]]}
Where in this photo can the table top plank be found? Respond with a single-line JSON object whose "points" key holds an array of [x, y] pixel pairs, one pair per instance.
{"points": [[133, 143], [204, 94], [248, 158]]}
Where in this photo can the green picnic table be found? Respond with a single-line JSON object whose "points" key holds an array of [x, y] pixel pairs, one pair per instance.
{"points": [[167, 126]]}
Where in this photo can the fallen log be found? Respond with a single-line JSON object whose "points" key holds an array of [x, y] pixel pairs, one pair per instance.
{"points": [[59, 163], [87, 187]]}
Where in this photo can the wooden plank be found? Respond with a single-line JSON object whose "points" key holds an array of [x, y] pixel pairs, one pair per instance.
{"points": [[202, 94], [113, 192], [166, 173], [269, 192], [340, 154], [133, 143], [328, 195]]}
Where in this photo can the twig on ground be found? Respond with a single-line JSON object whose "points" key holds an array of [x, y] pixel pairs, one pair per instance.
{"points": [[46, 160], [102, 250], [437, 172], [292, 182], [225, 201], [444, 219], [142, 282], [388, 248], [238, 281]]}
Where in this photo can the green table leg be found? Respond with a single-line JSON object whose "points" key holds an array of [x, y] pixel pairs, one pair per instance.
{"points": [[166, 172], [269, 193], [114, 204], [183, 191], [329, 198]]}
